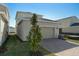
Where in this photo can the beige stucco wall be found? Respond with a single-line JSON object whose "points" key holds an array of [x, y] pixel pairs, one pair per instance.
{"points": [[3, 32], [0, 29], [3, 23], [74, 29], [23, 30], [0, 23], [25, 16], [48, 29]]}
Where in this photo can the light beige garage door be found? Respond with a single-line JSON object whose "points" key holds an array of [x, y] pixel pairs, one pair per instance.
{"points": [[47, 32]]}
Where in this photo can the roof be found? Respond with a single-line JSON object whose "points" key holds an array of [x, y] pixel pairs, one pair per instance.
{"points": [[68, 18], [46, 19], [26, 13]]}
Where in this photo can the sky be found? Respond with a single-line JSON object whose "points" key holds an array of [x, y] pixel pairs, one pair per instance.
{"points": [[53, 11]]}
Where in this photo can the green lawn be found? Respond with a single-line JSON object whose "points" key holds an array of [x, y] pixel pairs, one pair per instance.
{"points": [[15, 47], [72, 39]]}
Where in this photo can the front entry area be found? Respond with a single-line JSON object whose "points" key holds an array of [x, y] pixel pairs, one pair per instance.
{"points": [[48, 32]]}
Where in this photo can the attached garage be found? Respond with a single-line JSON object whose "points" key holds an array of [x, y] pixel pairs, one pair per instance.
{"points": [[47, 32], [49, 28]]}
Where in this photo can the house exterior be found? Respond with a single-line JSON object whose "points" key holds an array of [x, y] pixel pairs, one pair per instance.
{"points": [[49, 28], [4, 16], [69, 25], [12, 30]]}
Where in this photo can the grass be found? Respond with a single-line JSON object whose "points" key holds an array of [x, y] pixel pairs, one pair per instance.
{"points": [[72, 39], [15, 47]]}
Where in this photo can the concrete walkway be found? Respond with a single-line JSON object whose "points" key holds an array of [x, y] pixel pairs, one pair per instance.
{"points": [[60, 47]]}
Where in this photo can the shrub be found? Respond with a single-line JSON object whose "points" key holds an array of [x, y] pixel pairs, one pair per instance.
{"points": [[34, 36]]}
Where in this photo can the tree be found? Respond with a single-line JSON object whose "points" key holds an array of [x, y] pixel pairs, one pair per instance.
{"points": [[34, 36]]}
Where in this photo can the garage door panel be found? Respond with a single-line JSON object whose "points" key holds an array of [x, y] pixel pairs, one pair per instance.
{"points": [[47, 32]]}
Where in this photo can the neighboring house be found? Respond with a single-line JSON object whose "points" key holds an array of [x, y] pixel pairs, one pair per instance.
{"points": [[49, 28], [69, 25], [12, 31], [66, 22], [4, 17]]}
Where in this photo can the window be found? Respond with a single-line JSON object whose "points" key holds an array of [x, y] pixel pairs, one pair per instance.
{"points": [[75, 24]]}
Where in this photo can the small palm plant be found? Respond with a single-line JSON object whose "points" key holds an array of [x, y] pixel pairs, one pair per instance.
{"points": [[34, 36]]}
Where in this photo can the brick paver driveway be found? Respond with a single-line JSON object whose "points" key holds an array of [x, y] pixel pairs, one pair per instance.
{"points": [[60, 47]]}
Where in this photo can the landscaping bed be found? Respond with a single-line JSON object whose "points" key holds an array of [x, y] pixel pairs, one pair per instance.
{"points": [[14, 47], [72, 39]]}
